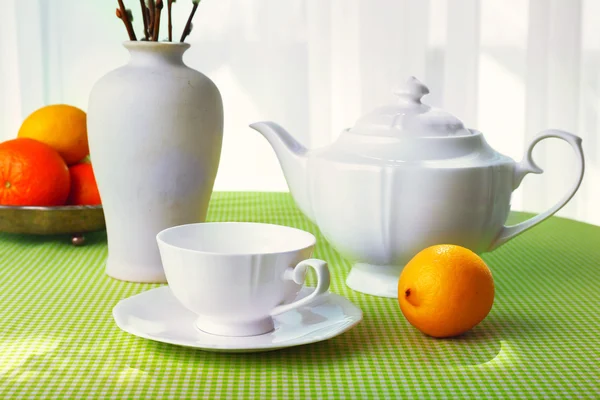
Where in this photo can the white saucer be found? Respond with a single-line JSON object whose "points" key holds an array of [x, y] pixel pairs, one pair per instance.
{"points": [[157, 315]]}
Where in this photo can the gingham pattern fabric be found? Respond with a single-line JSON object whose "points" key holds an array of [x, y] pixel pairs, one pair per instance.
{"points": [[542, 338]]}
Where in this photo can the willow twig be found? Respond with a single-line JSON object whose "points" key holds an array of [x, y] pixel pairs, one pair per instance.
{"points": [[159, 7], [169, 5], [125, 16], [188, 26], [151, 11], [145, 18], [149, 23]]}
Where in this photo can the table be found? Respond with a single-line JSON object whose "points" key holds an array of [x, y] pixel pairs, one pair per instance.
{"points": [[542, 337]]}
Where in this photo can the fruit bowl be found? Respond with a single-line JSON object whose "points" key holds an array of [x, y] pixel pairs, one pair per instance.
{"points": [[72, 220]]}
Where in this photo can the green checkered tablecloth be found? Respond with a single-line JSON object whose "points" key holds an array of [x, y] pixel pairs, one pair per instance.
{"points": [[542, 338]]}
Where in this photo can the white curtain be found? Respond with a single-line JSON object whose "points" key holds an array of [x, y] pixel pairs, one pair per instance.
{"points": [[509, 68]]}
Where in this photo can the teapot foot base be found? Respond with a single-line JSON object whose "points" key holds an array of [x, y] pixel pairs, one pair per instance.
{"points": [[376, 280]]}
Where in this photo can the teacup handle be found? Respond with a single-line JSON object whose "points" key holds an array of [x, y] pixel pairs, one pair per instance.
{"points": [[526, 166], [298, 275]]}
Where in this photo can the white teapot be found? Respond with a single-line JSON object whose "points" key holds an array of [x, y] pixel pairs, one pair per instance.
{"points": [[405, 177]]}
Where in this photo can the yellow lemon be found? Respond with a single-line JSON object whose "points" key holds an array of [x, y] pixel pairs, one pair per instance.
{"points": [[60, 126]]}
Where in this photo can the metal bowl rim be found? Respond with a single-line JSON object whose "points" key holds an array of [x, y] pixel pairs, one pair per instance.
{"points": [[56, 208]]}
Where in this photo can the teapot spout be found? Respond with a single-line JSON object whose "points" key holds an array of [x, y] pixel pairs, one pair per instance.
{"points": [[293, 158]]}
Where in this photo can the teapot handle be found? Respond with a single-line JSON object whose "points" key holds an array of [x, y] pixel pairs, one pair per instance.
{"points": [[526, 166]]}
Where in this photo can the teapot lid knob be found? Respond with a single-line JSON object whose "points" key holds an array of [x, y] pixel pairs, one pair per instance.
{"points": [[409, 116], [412, 91]]}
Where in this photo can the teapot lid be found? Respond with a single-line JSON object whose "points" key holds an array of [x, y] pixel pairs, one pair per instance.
{"points": [[409, 116]]}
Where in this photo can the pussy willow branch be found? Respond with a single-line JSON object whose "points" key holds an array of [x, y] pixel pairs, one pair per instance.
{"points": [[169, 5], [149, 28], [151, 13], [145, 18], [159, 7], [151, 10], [124, 16], [188, 26]]}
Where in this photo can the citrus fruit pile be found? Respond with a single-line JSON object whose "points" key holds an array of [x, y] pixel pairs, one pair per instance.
{"points": [[445, 290], [47, 164]]}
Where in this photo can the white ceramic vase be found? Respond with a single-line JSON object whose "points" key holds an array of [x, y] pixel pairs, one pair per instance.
{"points": [[155, 129]]}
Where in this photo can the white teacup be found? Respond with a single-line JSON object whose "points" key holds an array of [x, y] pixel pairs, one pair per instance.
{"points": [[236, 276]]}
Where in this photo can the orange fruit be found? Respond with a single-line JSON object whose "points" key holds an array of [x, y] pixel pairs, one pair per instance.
{"points": [[32, 174], [445, 290], [84, 190], [60, 126]]}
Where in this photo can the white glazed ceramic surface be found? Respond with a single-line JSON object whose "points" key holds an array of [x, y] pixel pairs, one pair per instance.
{"points": [[236, 276], [155, 132], [406, 177], [157, 315]]}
